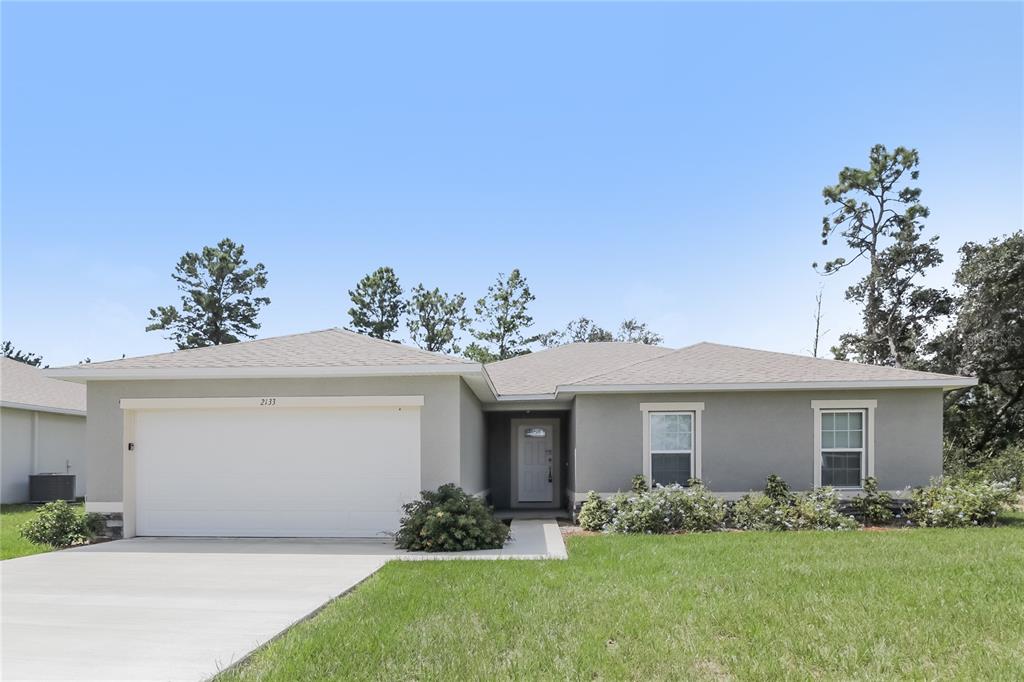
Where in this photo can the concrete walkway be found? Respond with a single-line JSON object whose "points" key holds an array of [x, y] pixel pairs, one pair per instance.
{"points": [[185, 608]]}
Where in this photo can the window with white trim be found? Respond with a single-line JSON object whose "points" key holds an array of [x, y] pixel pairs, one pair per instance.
{"points": [[672, 447], [843, 449]]}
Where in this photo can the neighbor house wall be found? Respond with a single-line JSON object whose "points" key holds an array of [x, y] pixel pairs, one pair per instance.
{"points": [[439, 427], [472, 452], [59, 440], [748, 435]]}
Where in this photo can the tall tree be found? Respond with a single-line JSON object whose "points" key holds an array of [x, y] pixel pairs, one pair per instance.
{"points": [[880, 215], [377, 304], [435, 319], [217, 302], [987, 341], [21, 356], [817, 321], [580, 330], [633, 331], [504, 318]]}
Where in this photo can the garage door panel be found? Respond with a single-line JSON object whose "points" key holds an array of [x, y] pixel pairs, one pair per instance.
{"points": [[304, 472]]}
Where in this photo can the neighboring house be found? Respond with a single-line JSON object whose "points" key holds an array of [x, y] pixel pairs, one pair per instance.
{"points": [[329, 433], [42, 429]]}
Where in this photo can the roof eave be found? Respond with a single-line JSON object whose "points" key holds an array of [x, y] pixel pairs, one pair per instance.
{"points": [[42, 408], [84, 374], [946, 384]]}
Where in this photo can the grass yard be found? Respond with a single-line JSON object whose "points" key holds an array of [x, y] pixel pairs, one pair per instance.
{"points": [[915, 604], [12, 545]]}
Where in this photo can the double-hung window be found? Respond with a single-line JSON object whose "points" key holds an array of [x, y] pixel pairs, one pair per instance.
{"points": [[671, 433], [843, 450], [671, 447]]}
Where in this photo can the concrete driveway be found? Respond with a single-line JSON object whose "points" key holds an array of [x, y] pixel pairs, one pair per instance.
{"points": [[185, 608]]}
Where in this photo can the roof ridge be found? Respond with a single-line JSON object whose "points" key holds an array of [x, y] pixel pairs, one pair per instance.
{"points": [[417, 349], [811, 357], [179, 351], [668, 351]]}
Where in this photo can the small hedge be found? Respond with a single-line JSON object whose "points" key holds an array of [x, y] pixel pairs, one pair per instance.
{"points": [[874, 506], [954, 503], [667, 509], [60, 525], [449, 520], [595, 512]]}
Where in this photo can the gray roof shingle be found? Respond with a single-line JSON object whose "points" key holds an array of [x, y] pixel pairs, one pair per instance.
{"points": [[326, 348], [22, 384]]}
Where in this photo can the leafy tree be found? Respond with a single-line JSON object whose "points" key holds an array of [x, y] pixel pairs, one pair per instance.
{"points": [[217, 303], [377, 304], [987, 341], [436, 318], [504, 317], [580, 330], [21, 356], [880, 215], [632, 331]]}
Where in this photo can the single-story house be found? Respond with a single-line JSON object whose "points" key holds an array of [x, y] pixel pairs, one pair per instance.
{"points": [[328, 433], [42, 429]]}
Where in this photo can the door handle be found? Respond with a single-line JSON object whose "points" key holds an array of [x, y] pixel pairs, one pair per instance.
{"points": [[549, 473]]}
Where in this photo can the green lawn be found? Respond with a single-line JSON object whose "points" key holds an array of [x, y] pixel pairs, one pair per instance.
{"points": [[12, 545], [915, 604]]}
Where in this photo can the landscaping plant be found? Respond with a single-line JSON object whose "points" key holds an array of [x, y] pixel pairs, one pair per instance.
{"points": [[667, 509], [595, 512], [954, 503], [819, 510], [449, 520], [757, 511], [874, 506], [59, 525], [639, 484]]}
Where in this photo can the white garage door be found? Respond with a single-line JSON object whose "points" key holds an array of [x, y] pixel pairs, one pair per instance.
{"points": [[278, 471]]}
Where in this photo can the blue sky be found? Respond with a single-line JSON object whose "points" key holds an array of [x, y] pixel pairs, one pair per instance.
{"points": [[662, 161]]}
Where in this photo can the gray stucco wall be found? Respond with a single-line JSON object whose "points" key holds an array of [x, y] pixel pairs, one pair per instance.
{"points": [[471, 441], [59, 440], [748, 435], [439, 429]]}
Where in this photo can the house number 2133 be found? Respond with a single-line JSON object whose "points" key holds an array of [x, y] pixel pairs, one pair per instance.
{"points": [[268, 402]]}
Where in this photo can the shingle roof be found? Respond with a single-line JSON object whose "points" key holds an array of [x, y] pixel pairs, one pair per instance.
{"points": [[325, 348], [24, 385], [540, 372], [712, 363], [572, 368]]}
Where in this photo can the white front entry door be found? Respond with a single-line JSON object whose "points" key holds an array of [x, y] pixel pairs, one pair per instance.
{"points": [[536, 455], [278, 472]]}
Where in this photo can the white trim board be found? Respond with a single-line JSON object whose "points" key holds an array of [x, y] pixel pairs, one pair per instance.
{"points": [[645, 411], [948, 384], [270, 402], [41, 408], [137, 374], [868, 406]]}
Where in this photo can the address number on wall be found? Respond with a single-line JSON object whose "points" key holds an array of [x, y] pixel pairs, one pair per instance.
{"points": [[268, 402]]}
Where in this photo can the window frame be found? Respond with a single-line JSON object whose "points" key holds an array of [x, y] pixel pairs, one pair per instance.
{"points": [[693, 409], [867, 449]]}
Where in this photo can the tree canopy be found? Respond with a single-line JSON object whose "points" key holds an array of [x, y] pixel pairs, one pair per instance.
{"points": [[879, 214], [13, 353], [436, 318], [218, 304], [377, 304], [585, 330], [503, 318]]}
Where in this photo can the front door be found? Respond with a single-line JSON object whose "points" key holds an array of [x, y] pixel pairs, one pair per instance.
{"points": [[536, 454]]}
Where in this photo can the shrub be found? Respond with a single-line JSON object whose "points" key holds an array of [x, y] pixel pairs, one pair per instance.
{"points": [[667, 509], [59, 525], [874, 506], [819, 510], [449, 520], [758, 511], [777, 489], [1006, 465], [595, 512], [953, 503], [639, 484]]}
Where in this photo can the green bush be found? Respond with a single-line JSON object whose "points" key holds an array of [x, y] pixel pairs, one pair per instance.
{"points": [[779, 509], [449, 520], [59, 525], [667, 509], [819, 510], [639, 484], [954, 503], [757, 511], [874, 506], [595, 512], [1007, 465]]}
